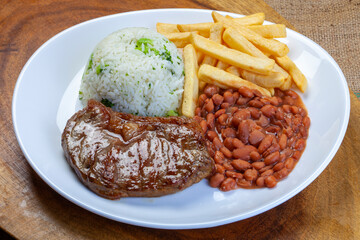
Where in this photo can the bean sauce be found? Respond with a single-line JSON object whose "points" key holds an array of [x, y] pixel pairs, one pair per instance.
{"points": [[255, 140]]}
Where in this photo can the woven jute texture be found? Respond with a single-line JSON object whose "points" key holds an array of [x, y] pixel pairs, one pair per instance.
{"points": [[334, 25]]}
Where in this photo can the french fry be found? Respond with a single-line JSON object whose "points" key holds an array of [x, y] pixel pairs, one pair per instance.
{"points": [[253, 19], [225, 80], [221, 65], [297, 76], [287, 84], [202, 28], [231, 56], [180, 39], [233, 70], [271, 90], [200, 56], [165, 28], [269, 31], [271, 46], [272, 80], [215, 35], [191, 88]]}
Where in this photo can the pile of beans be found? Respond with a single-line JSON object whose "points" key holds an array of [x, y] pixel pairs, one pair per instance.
{"points": [[254, 140]]}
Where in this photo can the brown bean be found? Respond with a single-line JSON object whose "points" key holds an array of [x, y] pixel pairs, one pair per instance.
{"points": [[303, 131], [242, 101], [222, 119], [225, 105], [260, 182], [282, 173], [233, 174], [258, 165], [219, 112], [216, 180], [246, 92], [279, 115], [237, 143], [198, 111], [263, 121], [274, 101], [255, 156], [300, 144], [268, 110], [256, 137], [229, 98], [209, 105], [289, 163], [240, 115], [243, 131], [219, 168], [217, 99], [294, 109], [273, 148], [265, 143], [265, 100], [251, 174], [244, 183], [264, 169], [228, 132], [292, 94], [233, 110], [286, 108], [288, 101], [289, 132], [243, 153], [227, 153], [296, 155], [210, 90], [210, 121], [283, 141], [306, 122], [272, 158], [236, 96], [211, 135], [267, 173], [255, 113], [270, 181], [228, 166], [219, 157], [218, 144], [257, 93], [278, 166], [203, 126], [201, 100], [256, 103], [272, 129], [228, 184], [282, 157], [228, 143], [240, 165], [287, 152]]}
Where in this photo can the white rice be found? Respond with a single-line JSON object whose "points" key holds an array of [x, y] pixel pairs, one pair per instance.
{"points": [[145, 82]]}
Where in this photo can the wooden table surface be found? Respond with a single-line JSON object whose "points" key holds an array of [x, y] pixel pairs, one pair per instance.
{"points": [[329, 208]]}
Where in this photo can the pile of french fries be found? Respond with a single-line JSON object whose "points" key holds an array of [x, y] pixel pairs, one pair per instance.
{"points": [[233, 52]]}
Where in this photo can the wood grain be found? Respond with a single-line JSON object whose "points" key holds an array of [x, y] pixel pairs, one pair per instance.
{"points": [[29, 209]]}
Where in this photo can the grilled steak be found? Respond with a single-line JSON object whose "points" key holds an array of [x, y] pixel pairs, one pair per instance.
{"points": [[121, 155]]}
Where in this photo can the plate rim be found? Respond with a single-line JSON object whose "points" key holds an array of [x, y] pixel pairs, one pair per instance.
{"points": [[207, 224]]}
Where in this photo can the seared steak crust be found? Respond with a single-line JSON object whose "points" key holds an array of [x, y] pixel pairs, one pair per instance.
{"points": [[121, 155]]}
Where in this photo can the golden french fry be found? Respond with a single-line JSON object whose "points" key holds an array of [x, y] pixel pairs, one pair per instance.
{"points": [[191, 84], [165, 28], [233, 70], [269, 31], [225, 80], [202, 28], [253, 19], [271, 90], [287, 84], [215, 35], [274, 79], [180, 39], [231, 56], [222, 65], [297, 76], [236, 41], [200, 56], [271, 46]]}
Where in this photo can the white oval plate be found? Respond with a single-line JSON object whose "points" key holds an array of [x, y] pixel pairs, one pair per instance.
{"points": [[45, 97]]}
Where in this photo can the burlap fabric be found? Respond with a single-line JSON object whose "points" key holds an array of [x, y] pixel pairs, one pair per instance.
{"points": [[334, 25]]}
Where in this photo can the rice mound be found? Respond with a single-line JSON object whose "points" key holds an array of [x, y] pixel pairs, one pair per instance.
{"points": [[135, 70]]}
